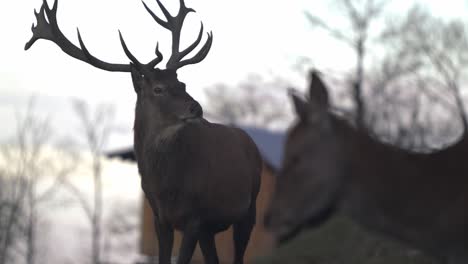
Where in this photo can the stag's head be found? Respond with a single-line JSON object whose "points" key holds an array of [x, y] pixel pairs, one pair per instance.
{"points": [[308, 184], [160, 94]]}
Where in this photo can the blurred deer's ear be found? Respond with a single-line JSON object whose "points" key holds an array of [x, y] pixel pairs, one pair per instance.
{"points": [[300, 105], [318, 93], [137, 78]]}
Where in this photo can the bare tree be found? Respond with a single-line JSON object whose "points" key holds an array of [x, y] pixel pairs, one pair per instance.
{"points": [[12, 209], [361, 15], [26, 162], [421, 71], [95, 129], [121, 229], [415, 88], [255, 102], [441, 47]]}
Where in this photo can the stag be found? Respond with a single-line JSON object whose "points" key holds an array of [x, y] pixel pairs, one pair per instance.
{"points": [[330, 166], [199, 177]]}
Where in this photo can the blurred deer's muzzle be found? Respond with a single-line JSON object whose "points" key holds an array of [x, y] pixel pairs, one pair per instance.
{"points": [[281, 230]]}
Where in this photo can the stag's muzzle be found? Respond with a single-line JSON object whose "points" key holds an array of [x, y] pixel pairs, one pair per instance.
{"points": [[196, 110]]}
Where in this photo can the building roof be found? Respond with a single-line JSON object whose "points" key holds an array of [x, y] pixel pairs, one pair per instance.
{"points": [[268, 142]]}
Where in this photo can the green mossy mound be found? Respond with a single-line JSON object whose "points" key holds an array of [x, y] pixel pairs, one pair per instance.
{"points": [[342, 242]]}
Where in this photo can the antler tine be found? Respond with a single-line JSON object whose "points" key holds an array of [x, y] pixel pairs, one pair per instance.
{"points": [[127, 51], [42, 29], [194, 44], [135, 61], [202, 53], [158, 59], [174, 24], [47, 28], [155, 17], [97, 62]]}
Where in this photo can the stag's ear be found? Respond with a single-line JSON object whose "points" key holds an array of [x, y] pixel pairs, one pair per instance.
{"points": [[318, 93], [137, 78], [300, 105]]}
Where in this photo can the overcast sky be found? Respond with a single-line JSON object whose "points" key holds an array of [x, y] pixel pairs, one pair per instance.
{"points": [[250, 36]]}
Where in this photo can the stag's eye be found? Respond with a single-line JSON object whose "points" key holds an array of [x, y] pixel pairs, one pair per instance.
{"points": [[158, 90]]}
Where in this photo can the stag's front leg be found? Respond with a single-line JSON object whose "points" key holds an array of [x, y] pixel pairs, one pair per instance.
{"points": [[208, 247], [165, 234], [189, 241]]}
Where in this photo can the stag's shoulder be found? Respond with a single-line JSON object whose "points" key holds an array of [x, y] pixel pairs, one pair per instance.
{"points": [[233, 131], [207, 132], [249, 145], [203, 128]]}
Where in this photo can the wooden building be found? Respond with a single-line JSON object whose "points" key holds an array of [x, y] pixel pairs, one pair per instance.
{"points": [[261, 241]]}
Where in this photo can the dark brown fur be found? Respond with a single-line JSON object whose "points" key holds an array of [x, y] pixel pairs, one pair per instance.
{"points": [[187, 182], [420, 199]]}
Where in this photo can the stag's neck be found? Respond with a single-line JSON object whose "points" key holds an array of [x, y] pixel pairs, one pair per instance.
{"points": [[149, 131], [155, 151], [146, 133]]}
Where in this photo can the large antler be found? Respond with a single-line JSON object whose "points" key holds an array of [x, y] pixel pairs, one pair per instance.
{"points": [[174, 24], [47, 28]]}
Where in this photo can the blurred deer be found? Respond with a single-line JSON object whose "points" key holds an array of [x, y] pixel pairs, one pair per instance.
{"points": [[330, 166], [199, 177]]}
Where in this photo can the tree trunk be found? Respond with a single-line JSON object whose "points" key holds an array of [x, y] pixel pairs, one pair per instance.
{"points": [[96, 221], [357, 88]]}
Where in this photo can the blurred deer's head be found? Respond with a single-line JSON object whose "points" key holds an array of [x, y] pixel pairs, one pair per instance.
{"points": [[309, 182]]}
